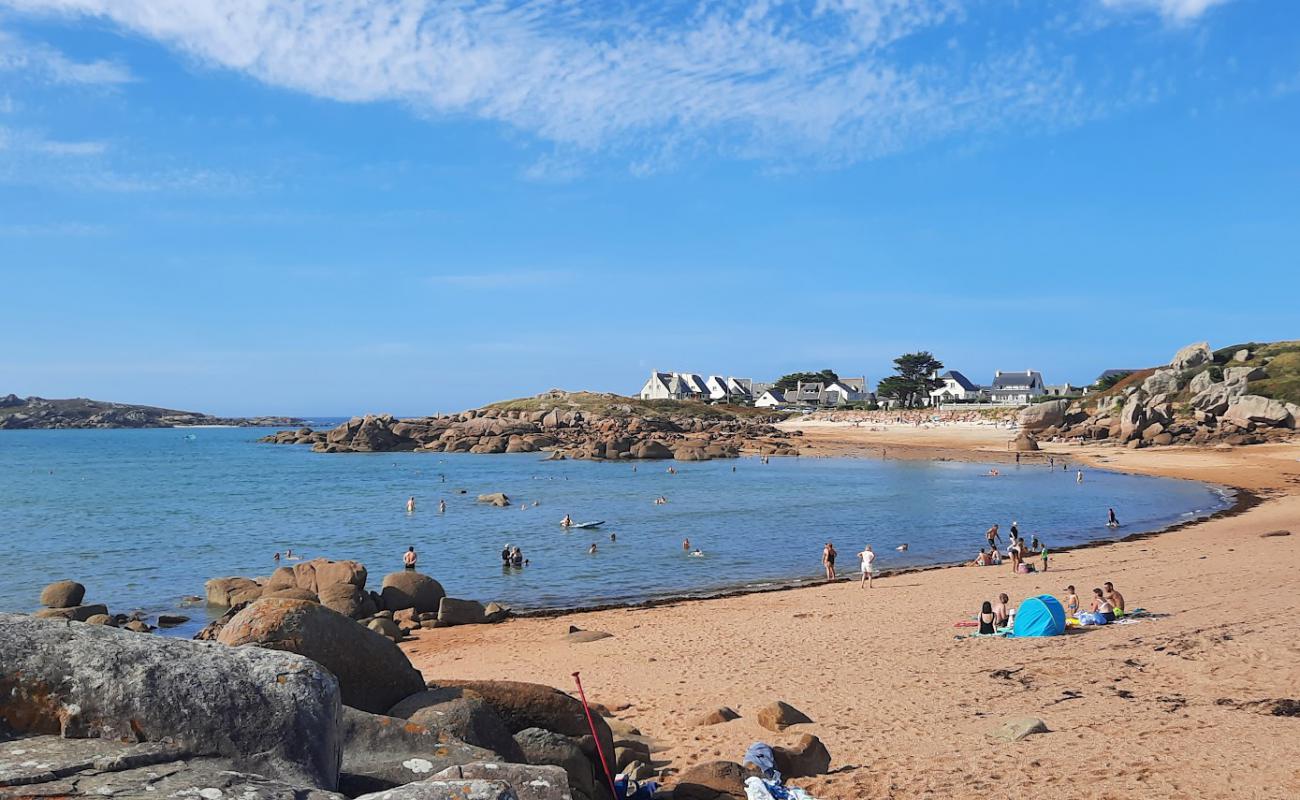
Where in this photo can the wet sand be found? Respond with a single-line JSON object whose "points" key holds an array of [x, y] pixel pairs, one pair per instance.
{"points": [[1173, 706]]}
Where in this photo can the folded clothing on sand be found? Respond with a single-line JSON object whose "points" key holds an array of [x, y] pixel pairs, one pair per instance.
{"points": [[759, 789]]}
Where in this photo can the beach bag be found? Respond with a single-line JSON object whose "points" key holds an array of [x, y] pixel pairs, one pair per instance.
{"points": [[1091, 618]]}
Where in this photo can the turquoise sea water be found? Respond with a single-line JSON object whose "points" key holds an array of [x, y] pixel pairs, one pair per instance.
{"points": [[144, 517]]}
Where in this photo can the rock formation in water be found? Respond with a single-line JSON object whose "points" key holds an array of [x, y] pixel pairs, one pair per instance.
{"points": [[566, 425], [37, 412]]}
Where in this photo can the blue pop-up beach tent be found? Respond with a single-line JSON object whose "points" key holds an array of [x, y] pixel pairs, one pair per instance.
{"points": [[1040, 616]]}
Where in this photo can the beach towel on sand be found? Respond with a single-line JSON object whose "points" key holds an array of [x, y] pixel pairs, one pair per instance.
{"points": [[759, 789]]}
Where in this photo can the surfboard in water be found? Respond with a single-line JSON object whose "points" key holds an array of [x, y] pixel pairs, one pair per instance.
{"points": [[585, 525]]}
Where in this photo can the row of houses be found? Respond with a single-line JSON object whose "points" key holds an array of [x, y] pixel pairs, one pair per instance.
{"points": [[730, 389], [1008, 388]]}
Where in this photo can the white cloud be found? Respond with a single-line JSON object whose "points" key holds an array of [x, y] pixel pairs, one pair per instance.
{"points": [[776, 80], [70, 148], [1172, 10], [18, 55]]}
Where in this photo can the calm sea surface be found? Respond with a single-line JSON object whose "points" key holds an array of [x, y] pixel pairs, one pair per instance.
{"points": [[144, 517]]}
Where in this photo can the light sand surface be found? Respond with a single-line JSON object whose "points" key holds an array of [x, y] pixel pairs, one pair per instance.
{"points": [[1169, 707]]}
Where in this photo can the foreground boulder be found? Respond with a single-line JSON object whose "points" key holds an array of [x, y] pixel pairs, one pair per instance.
{"points": [[808, 757], [275, 714], [347, 599], [545, 747], [463, 714], [63, 594], [531, 705], [380, 752], [54, 767], [1041, 416], [411, 589], [530, 782], [74, 613], [461, 612], [712, 780], [447, 790], [373, 673]]}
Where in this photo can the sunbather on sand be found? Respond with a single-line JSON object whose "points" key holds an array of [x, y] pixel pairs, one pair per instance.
{"points": [[987, 618], [1101, 605], [1000, 610], [1116, 599]]}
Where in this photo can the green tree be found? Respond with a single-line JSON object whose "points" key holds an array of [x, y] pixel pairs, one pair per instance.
{"points": [[795, 378], [1110, 380], [912, 381]]}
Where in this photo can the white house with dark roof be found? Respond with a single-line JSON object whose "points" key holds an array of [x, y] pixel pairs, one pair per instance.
{"points": [[956, 388], [692, 386], [770, 398], [1016, 388]]}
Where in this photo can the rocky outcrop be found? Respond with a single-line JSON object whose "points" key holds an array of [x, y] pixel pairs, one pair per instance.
{"points": [[38, 412], [462, 714], [372, 672], [614, 433], [1200, 398], [1041, 416], [272, 713], [779, 715]]}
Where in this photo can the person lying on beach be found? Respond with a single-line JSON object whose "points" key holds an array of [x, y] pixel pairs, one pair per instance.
{"points": [[1116, 599], [1000, 611], [987, 619], [1101, 605], [1071, 602]]}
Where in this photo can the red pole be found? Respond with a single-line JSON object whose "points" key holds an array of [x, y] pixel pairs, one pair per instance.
{"points": [[591, 723]]}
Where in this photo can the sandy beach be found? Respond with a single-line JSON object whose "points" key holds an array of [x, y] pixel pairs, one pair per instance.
{"points": [[1177, 705]]}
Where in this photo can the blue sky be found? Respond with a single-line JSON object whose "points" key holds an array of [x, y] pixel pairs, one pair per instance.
{"points": [[330, 208]]}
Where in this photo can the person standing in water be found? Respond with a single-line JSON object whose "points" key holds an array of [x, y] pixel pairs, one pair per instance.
{"points": [[992, 536], [567, 522], [591, 551], [686, 545], [1112, 521], [410, 504], [828, 560], [408, 559], [1079, 478], [442, 506]]}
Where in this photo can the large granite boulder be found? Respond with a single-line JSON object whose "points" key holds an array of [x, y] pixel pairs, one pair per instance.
{"points": [[63, 594], [546, 747], [411, 589], [281, 578], [1215, 398], [1244, 374], [1163, 381], [447, 790], [1132, 418], [1200, 382], [497, 499], [530, 782], [347, 599], [1193, 355], [267, 712], [532, 705], [1252, 408], [373, 673], [1041, 416], [54, 767], [461, 612], [380, 752], [320, 572], [221, 591], [461, 714]]}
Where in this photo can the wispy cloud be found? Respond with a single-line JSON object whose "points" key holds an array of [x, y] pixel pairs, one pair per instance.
{"points": [[53, 229], [1172, 10], [784, 80], [520, 279], [49, 64], [71, 148]]}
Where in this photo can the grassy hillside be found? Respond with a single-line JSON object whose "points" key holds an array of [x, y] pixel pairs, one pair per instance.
{"points": [[617, 406], [1283, 381]]}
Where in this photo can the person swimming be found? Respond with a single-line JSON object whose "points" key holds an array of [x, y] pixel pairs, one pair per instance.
{"points": [[410, 505], [686, 545], [613, 537], [591, 551], [697, 553]]}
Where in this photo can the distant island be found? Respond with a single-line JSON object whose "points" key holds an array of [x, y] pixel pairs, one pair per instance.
{"points": [[18, 413]]}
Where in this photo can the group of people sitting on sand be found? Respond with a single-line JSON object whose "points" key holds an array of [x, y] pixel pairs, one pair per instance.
{"points": [[1107, 606], [1018, 550]]}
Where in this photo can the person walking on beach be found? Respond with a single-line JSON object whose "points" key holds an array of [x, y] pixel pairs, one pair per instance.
{"points": [[408, 559], [992, 535], [828, 560], [410, 505], [868, 566]]}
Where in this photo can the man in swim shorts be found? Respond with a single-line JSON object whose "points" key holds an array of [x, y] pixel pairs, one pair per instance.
{"points": [[1116, 599], [409, 557], [868, 566]]}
